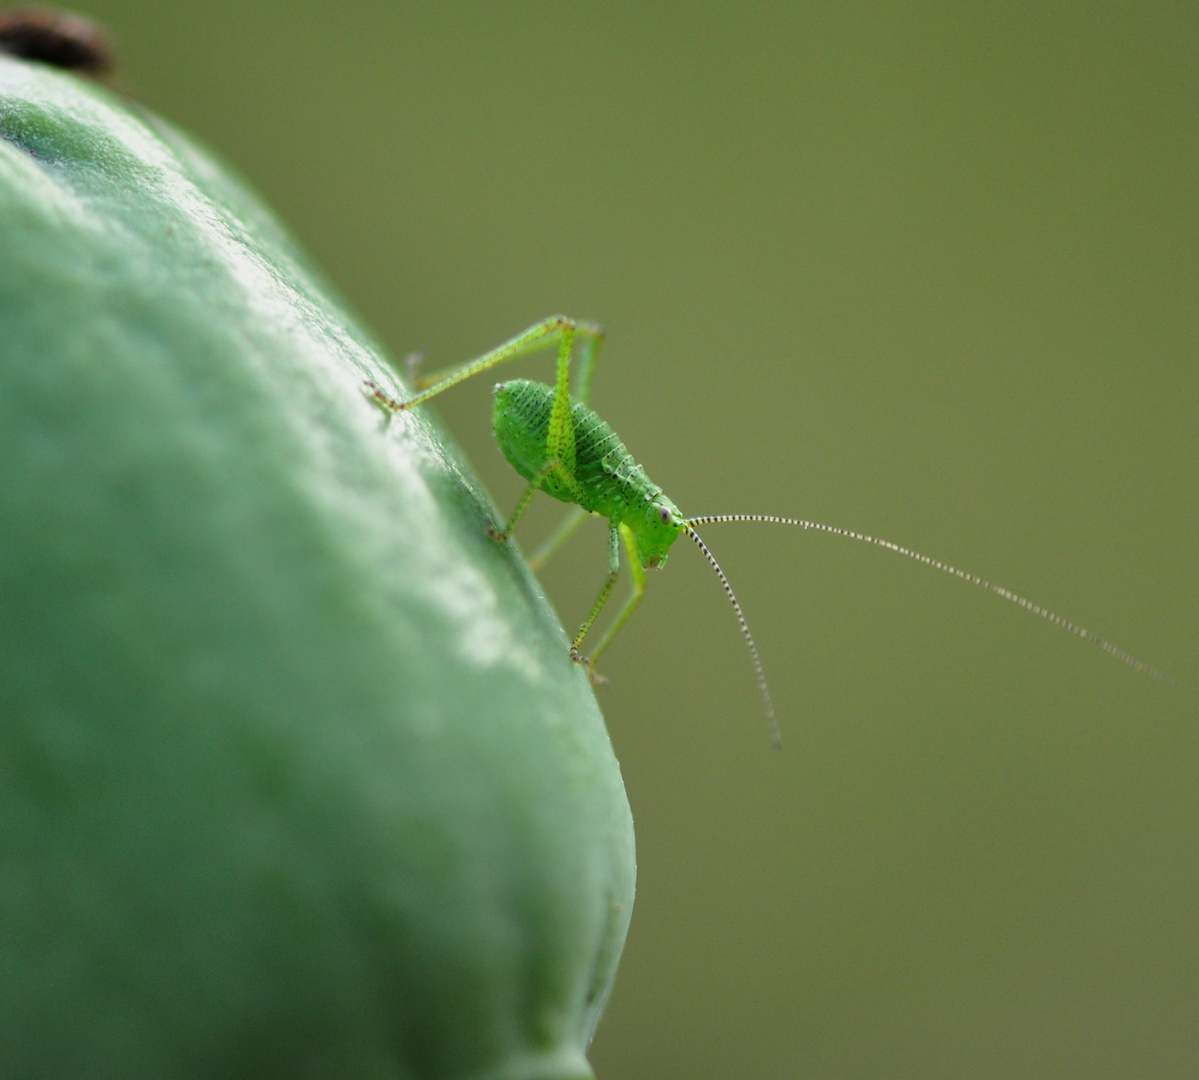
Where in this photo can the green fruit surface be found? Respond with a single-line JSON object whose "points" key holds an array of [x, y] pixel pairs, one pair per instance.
{"points": [[296, 777]]}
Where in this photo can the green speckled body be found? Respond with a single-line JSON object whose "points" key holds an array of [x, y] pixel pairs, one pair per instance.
{"points": [[609, 482]]}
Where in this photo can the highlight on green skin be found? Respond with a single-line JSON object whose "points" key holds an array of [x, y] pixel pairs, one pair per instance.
{"points": [[560, 445], [296, 778]]}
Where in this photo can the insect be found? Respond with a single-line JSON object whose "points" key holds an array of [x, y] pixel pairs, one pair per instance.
{"points": [[560, 445]]}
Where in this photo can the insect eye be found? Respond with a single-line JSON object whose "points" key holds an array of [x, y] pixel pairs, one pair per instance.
{"points": [[664, 515]]}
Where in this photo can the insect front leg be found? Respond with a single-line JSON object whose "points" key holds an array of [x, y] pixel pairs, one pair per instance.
{"points": [[637, 573], [605, 592]]}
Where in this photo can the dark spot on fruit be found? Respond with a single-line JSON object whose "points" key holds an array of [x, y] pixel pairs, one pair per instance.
{"points": [[59, 38]]}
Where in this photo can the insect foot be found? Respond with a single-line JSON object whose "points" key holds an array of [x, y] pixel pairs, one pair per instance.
{"points": [[588, 666], [381, 397]]}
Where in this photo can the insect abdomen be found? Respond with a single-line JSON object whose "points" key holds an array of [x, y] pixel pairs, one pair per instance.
{"points": [[610, 480]]}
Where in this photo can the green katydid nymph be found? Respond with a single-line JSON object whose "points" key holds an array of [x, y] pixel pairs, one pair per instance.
{"points": [[552, 437]]}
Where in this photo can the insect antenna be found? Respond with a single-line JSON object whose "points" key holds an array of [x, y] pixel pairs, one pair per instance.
{"points": [[936, 564], [772, 724]]}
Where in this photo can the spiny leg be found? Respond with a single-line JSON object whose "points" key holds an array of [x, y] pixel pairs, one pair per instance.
{"points": [[551, 468], [500, 535], [592, 337], [560, 439], [637, 573], [605, 592], [540, 336]]}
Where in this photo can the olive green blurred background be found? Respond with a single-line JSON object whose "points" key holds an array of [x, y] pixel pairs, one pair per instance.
{"points": [[926, 270]]}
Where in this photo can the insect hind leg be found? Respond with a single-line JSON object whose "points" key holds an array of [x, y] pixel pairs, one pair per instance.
{"points": [[542, 335]]}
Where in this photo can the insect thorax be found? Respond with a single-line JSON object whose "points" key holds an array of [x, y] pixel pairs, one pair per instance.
{"points": [[611, 482]]}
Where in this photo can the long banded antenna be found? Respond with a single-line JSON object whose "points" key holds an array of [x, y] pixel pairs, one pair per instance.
{"points": [[772, 724], [936, 564]]}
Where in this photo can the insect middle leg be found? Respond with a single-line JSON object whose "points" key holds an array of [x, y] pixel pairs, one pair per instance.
{"points": [[500, 535], [553, 468]]}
